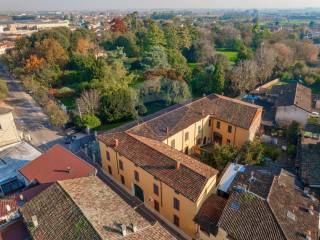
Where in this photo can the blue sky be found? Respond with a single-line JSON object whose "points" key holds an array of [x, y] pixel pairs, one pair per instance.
{"points": [[6, 5]]}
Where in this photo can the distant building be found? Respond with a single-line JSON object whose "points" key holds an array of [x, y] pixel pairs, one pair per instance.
{"points": [[85, 208], [8, 131], [152, 160], [293, 102], [56, 164]]}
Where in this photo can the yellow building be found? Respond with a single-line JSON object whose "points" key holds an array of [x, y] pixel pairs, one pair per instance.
{"points": [[149, 159]]}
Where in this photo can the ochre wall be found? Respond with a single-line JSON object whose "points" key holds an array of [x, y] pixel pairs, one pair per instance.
{"points": [[188, 209]]}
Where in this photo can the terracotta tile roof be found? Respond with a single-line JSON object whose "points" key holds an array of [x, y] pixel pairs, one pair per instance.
{"points": [[210, 212], [284, 199], [86, 208], [233, 111], [156, 158], [248, 217], [255, 179], [285, 213], [309, 164], [293, 94], [55, 164], [8, 201]]}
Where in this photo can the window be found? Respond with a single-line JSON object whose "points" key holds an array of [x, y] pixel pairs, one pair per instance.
{"points": [[176, 220], [228, 141], [156, 205], [199, 129], [136, 176], [198, 141], [173, 143], [122, 180], [176, 204], [210, 122], [229, 129], [120, 164], [110, 170], [108, 155], [218, 125], [156, 189], [186, 136], [204, 140], [186, 150]]}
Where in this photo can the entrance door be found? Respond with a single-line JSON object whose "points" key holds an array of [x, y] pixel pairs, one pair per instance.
{"points": [[138, 192], [217, 138]]}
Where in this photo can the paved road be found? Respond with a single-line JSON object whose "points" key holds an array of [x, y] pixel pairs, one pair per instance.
{"points": [[28, 114]]}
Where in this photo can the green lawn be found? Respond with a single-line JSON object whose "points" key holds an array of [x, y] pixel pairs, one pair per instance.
{"points": [[193, 65], [69, 102], [232, 55], [153, 107]]}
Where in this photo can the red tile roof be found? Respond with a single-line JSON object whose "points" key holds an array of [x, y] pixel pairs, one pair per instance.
{"points": [[56, 164], [10, 201]]}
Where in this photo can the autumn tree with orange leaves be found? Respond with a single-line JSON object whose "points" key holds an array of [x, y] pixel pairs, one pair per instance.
{"points": [[34, 63]]}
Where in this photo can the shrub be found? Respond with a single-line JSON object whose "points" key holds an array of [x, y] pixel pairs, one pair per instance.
{"points": [[65, 92], [271, 151], [89, 121]]}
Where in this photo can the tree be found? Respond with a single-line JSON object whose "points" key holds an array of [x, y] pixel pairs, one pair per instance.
{"points": [[174, 91], [3, 89], [222, 155], [89, 121], [245, 53], [117, 25], [292, 133], [155, 58], [284, 57], [89, 102], [218, 79], [185, 37], [57, 117], [251, 153], [128, 42], [178, 62], [266, 60], [154, 37], [172, 37], [52, 51], [244, 77], [119, 105], [34, 63], [84, 45]]}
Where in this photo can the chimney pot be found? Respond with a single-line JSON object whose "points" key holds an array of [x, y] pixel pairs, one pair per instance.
{"points": [[167, 130], [8, 208], [123, 230], [134, 227], [21, 197], [34, 220], [178, 165], [116, 142]]}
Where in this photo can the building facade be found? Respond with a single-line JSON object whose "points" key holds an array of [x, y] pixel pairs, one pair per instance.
{"points": [[151, 160], [8, 131]]}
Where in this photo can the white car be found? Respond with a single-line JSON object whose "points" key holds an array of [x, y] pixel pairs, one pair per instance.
{"points": [[315, 114]]}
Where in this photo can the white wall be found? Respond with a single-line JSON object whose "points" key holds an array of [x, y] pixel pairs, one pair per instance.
{"points": [[285, 115]]}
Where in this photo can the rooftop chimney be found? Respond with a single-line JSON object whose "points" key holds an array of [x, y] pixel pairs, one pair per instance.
{"points": [[178, 163], [8, 208], [68, 169], [21, 197], [123, 230], [167, 130], [134, 227], [35, 221], [202, 113], [311, 208], [116, 142]]}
